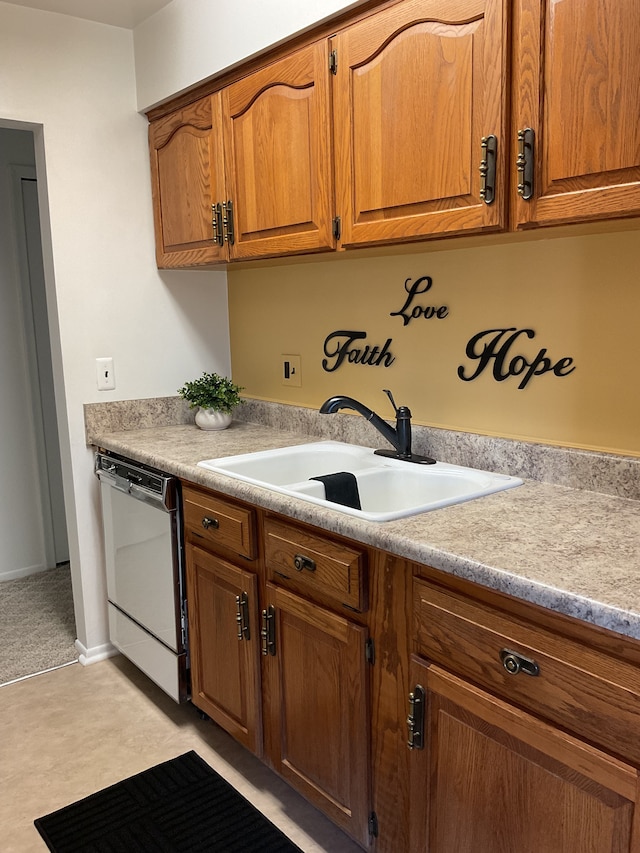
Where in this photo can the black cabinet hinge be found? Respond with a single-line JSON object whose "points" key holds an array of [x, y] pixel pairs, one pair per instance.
{"points": [[370, 651], [336, 227], [373, 825], [184, 622], [333, 62]]}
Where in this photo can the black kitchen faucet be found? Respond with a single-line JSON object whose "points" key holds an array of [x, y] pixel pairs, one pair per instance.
{"points": [[400, 437]]}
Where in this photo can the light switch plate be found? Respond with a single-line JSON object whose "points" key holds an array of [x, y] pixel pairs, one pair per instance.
{"points": [[291, 370], [104, 374]]}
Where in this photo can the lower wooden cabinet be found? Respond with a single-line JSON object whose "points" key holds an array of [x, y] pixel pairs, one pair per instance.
{"points": [[318, 720], [225, 645], [304, 645], [283, 656], [490, 777]]}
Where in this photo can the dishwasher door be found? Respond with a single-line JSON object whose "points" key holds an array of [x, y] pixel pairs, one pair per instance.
{"points": [[144, 572]]}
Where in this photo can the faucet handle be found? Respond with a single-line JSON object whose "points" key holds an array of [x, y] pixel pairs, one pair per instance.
{"points": [[402, 412], [390, 396]]}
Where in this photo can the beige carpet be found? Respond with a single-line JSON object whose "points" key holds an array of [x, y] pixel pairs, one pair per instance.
{"points": [[68, 733], [37, 624]]}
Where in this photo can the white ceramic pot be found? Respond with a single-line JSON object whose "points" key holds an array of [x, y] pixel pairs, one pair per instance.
{"points": [[211, 419]]}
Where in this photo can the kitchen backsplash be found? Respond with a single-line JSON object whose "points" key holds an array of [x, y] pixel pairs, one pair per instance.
{"points": [[580, 469], [529, 338], [135, 414]]}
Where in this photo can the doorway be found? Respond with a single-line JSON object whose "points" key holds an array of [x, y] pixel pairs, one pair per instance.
{"points": [[38, 345], [33, 534]]}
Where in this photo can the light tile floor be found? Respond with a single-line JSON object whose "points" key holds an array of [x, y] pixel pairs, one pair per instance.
{"points": [[67, 733]]}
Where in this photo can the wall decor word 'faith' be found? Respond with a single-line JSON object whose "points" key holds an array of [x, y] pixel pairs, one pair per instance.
{"points": [[338, 348]]}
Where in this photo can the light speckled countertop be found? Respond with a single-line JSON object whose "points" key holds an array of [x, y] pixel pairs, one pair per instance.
{"points": [[572, 551]]}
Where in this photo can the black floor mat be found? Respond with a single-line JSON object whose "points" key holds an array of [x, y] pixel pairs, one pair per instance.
{"points": [[179, 806]]}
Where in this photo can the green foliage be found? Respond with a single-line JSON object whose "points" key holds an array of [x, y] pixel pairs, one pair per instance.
{"points": [[212, 391]]}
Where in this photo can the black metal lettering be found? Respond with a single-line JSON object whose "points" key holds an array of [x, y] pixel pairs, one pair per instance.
{"points": [[492, 345], [341, 350], [412, 291], [338, 349]]}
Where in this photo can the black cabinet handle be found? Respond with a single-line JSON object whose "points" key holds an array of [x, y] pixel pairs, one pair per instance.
{"points": [[515, 663], [415, 720], [301, 562], [488, 169], [524, 163]]}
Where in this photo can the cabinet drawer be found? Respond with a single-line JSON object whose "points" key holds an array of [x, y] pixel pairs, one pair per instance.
{"points": [[582, 689], [219, 522], [314, 564]]}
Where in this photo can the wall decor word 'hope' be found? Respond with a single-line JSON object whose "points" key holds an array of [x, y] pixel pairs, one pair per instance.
{"points": [[494, 346]]}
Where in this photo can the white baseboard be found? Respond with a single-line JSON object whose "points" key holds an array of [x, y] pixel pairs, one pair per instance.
{"points": [[14, 574], [95, 654]]}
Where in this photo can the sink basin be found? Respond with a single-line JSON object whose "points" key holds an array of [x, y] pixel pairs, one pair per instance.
{"points": [[388, 488]]}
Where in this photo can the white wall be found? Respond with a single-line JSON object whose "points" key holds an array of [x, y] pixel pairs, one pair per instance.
{"points": [[73, 82], [22, 548], [189, 41]]}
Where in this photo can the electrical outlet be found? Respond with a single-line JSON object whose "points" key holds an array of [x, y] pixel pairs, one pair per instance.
{"points": [[291, 371], [105, 375]]}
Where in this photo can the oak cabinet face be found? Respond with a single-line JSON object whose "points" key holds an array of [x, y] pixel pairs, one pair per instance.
{"points": [[493, 778], [576, 72], [247, 172], [418, 87], [278, 156], [187, 176], [225, 660], [318, 709]]}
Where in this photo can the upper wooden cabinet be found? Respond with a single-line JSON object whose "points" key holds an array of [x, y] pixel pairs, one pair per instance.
{"points": [[576, 73], [278, 156], [417, 87], [247, 172], [187, 176], [396, 127]]}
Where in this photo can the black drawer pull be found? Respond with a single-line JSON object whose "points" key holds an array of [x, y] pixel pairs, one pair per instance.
{"points": [[515, 663], [208, 523], [301, 562]]}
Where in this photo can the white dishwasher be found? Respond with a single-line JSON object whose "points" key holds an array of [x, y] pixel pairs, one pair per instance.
{"points": [[145, 573]]}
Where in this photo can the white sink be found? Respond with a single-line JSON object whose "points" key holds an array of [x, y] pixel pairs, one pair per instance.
{"points": [[388, 488]]}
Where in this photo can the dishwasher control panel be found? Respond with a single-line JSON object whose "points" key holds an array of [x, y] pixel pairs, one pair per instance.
{"points": [[136, 475]]}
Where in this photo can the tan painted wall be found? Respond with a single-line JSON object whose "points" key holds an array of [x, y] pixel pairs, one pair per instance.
{"points": [[579, 294]]}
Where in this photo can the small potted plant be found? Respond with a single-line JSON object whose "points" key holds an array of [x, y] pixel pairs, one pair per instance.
{"points": [[215, 397]]}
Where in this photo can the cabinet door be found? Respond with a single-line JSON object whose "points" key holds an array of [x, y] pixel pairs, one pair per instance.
{"points": [[318, 708], [418, 86], [278, 156], [187, 178], [576, 73], [225, 660], [493, 778]]}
